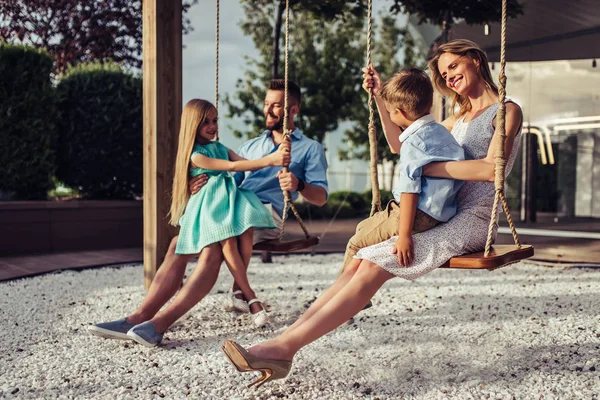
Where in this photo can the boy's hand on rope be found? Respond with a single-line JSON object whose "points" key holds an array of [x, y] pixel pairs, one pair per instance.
{"points": [[196, 183], [371, 80], [405, 250]]}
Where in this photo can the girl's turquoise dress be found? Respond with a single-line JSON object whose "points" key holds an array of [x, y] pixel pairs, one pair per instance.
{"points": [[220, 210]]}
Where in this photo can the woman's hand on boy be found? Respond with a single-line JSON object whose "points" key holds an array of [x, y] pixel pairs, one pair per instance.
{"points": [[196, 183], [405, 250], [371, 80]]}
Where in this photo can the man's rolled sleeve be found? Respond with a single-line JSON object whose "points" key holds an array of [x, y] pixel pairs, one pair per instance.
{"points": [[315, 171]]}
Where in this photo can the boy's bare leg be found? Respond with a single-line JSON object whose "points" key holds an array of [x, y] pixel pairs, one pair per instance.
{"points": [[195, 288], [165, 284]]}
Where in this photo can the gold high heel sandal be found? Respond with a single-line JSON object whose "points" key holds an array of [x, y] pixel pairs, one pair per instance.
{"points": [[245, 362]]}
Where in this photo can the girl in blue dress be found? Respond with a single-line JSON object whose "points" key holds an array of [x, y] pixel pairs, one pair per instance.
{"points": [[220, 212]]}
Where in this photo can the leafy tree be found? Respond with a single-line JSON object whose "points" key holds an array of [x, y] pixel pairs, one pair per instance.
{"points": [[327, 10], [326, 60], [74, 31], [388, 45]]}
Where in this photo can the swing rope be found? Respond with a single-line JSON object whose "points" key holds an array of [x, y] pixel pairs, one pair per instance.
{"points": [[288, 204], [500, 158], [218, 8], [376, 195]]}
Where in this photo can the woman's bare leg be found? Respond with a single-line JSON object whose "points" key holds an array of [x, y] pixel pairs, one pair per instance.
{"points": [[343, 278], [345, 304]]}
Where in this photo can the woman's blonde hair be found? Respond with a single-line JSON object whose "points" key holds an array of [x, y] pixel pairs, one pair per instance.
{"points": [[460, 47], [193, 116]]}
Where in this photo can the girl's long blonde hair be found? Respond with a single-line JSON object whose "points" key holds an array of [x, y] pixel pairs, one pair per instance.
{"points": [[460, 47], [193, 116]]}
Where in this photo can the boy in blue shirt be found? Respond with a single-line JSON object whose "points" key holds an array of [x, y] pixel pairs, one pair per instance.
{"points": [[425, 202]]}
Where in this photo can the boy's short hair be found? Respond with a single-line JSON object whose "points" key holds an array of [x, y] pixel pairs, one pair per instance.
{"points": [[411, 91], [293, 89]]}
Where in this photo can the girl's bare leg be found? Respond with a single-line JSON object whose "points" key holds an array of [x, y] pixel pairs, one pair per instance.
{"points": [[238, 268], [345, 304], [245, 241]]}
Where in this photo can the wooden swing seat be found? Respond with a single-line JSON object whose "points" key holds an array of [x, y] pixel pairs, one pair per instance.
{"points": [[277, 246], [500, 256]]}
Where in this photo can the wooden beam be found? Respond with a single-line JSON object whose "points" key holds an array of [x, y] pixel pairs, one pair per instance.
{"points": [[162, 109]]}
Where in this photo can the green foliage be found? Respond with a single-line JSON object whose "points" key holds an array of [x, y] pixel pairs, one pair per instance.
{"points": [[343, 204], [27, 122], [326, 57], [100, 131], [390, 41]]}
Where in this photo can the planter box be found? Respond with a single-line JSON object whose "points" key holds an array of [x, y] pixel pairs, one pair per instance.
{"points": [[29, 227]]}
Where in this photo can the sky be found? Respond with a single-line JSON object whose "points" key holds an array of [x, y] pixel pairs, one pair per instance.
{"points": [[545, 90]]}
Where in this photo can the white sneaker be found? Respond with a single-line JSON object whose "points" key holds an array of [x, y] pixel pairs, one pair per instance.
{"points": [[260, 318], [236, 304]]}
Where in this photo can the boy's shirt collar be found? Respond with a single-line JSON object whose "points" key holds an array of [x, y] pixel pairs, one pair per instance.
{"points": [[412, 128]]}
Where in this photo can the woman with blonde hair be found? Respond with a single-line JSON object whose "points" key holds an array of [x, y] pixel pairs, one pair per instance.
{"points": [[460, 70]]}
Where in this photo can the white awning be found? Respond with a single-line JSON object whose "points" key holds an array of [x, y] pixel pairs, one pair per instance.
{"points": [[548, 30]]}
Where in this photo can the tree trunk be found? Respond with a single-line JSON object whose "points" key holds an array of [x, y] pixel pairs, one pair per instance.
{"points": [[276, 38]]}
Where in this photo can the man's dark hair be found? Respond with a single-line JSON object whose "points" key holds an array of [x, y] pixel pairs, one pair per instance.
{"points": [[293, 89]]}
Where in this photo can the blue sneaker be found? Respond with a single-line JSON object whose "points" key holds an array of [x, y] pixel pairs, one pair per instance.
{"points": [[112, 330], [145, 334]]}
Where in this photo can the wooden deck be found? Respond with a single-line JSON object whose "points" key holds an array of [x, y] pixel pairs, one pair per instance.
{"points": [[333, 239]]}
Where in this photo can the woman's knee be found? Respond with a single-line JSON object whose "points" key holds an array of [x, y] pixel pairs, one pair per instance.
{"points": [[369, 270]]}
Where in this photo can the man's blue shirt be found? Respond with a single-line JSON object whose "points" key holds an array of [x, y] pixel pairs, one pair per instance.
{"points": [[423, 142], [308, 163]]}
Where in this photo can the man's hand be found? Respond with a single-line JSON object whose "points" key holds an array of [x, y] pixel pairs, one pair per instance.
{"points": [[287, 181], [404, 248], [196, 183]]}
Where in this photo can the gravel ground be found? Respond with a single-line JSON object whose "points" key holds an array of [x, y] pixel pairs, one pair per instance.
{"points": [[524, 332]]}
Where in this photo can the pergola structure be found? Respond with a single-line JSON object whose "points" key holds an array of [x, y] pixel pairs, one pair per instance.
{"points": [[162, 63]]}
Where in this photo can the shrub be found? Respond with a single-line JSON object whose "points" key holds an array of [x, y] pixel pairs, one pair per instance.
{"points": [[27, 123], [384, 195], [100, 131]]}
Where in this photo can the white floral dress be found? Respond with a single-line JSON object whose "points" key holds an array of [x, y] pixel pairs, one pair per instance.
{"points": [[467, 231]]}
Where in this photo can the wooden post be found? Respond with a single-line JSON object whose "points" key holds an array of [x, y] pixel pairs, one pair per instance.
{"points": [[162, 109]]}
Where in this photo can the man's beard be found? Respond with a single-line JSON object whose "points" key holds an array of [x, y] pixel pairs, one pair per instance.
{"points": [[275, 126]]}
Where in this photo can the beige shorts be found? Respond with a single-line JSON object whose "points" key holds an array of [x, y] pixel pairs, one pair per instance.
{"points": [[262, 234]]}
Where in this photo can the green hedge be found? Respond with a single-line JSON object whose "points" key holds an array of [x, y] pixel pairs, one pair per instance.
{"points": [[100, 131], [345, 203], [27, 123]]}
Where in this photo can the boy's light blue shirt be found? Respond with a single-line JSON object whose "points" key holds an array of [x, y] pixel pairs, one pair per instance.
{"points": [[308, 163], [423, 142]]}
